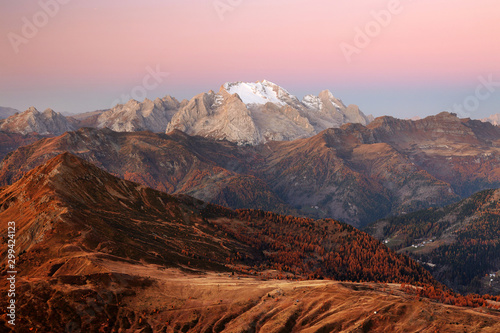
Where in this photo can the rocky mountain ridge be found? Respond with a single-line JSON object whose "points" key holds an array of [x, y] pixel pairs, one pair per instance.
{"points": [[354, 173], [245, 113], [494, 119], [47, 122], [134, 116], [253, 113]]}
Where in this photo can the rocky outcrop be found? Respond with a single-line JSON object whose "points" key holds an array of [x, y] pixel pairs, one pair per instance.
{"points": [[134, 116], [33, 121], [253, 113], [494, 119]]}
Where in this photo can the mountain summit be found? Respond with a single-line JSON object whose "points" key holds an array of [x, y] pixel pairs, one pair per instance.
{"points": [[262, 111], [31, 120], [260, 92], [135, 116]]}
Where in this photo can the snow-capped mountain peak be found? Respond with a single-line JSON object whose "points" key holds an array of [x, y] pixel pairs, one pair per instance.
{"points": [[326, 95], [258, 112], [260, 92], [312, 102]]}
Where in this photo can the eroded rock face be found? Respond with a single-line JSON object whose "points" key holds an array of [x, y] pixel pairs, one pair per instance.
{"points": [[33, 121], [11, 141], [253, 113], [134, 116]]}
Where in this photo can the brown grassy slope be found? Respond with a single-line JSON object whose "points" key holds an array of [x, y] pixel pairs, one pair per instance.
{"points": [[171, 301], [173, 163], [68, 208], [96, 252]]}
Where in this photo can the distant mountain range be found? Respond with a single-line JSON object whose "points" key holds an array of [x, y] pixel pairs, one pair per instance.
{"points": [[354, 173], [47, 122], [7, 112], [133, 116], [494, 119], [241, 112], [245, 113]]}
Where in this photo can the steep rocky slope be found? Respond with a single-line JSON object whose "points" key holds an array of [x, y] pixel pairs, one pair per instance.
{"points": [[135, 116], [462, 152], [252, 113]]}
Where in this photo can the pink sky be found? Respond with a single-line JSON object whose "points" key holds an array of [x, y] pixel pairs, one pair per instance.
{"points": [[92, 51]]}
